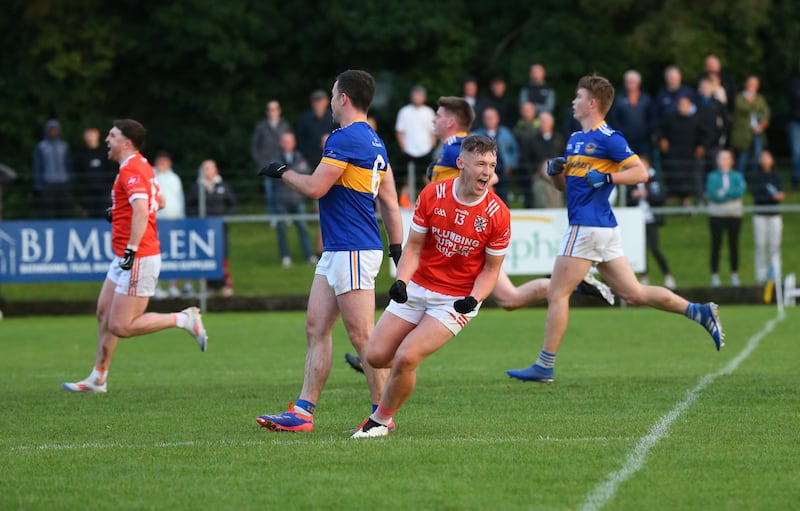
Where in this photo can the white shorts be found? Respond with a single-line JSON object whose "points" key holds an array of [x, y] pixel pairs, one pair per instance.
{"points": [[423, 301], [140, 280], [350, 270], [598, 244]]}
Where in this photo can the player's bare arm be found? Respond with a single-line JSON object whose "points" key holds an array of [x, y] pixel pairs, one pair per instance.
{"points": [[411, 256], [632, 173], [138, 222], [390, 208], [487, 278], [315, 185]]}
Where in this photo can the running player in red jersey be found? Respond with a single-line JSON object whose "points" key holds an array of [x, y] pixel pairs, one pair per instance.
{"points": [[133, 274], [462, 230]]}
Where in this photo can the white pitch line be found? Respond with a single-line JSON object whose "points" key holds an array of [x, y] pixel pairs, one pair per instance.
{"points": [[606, 490], [282, 439]]}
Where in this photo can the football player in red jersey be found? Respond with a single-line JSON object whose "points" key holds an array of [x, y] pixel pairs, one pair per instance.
{"points": [[462, 230], [133, 274]]}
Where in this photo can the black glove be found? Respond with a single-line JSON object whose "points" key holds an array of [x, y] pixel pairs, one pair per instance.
{"points": [[465, 305], [596, 179], [108, 213], [395, 251], [127, 259], [398, 292], [274, 170], [556, 166]]}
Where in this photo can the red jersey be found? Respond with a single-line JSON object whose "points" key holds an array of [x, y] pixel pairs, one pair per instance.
{"points": [[135, 180], [459, 235]]}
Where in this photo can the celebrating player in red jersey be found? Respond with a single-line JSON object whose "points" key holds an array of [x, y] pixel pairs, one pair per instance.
{"points": [[462, 230], [133, 274]]}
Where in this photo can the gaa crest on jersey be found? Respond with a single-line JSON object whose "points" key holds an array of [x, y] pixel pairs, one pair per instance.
{"points": [[480, 223], [133, 180], [591, 148]]}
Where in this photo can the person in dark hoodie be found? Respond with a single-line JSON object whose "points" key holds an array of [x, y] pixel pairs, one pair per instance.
{"points": [[52, 174], [94, 174]]}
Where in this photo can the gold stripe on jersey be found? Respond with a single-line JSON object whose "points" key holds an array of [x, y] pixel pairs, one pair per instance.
{"points": [[355, 178], [578, 165], [440, 173]]}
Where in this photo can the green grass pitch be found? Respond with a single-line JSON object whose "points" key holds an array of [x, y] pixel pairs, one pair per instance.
{"points": [[176, 430]]}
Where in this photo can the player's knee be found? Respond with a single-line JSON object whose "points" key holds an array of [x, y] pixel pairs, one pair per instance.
{"points": [[377, 358], [633, 296], [405, 361], [118, 327]]}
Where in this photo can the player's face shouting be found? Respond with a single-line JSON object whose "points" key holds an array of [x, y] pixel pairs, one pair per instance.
{"points": [[477, 171], [115, 142]]}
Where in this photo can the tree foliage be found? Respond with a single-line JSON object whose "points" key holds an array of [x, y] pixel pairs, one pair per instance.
{"points": [[197, 73]]}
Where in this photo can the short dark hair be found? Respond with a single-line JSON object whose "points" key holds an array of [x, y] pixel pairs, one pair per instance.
{"points": [[133, 131], [460, 109], [600, 89], [359, 87], [478, 144]]}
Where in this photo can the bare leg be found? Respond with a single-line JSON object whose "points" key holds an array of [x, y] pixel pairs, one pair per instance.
{"points": [[511, 297], [319, 333], [106, 341], [421, 342], [619, 274], [568, 272]]}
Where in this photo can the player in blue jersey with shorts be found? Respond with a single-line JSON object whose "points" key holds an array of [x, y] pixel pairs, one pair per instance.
{"points": [[596, 159], [353, 175]]}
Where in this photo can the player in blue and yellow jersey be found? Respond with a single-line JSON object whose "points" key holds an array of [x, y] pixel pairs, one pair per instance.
{"points": [[453, 119], [353, 175], [596, 159]]}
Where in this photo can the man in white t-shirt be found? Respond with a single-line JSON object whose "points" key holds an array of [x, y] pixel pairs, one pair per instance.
{"points": [[174, 207], [414, 131]]}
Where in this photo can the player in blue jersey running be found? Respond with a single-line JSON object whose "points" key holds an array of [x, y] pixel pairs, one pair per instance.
{"points": [[596, 159], [353, 175]]}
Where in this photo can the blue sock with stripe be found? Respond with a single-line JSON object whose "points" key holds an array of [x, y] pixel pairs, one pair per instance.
{"points": [[546, 360], [693, 311], [303, 406]]}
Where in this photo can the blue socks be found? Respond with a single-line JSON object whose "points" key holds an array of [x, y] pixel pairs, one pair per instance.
{"points": [[306, 406], [546, 360], [693, 311]]}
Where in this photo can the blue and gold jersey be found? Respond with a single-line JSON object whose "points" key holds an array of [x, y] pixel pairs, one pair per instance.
{"points": [[347, 211], [445, 167], [602, 149]]}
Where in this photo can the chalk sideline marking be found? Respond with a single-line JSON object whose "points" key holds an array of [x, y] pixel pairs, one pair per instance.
{"points": [[605, 491]]}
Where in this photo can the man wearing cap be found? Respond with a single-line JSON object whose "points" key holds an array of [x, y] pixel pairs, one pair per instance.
{"points": [[312, 125]]}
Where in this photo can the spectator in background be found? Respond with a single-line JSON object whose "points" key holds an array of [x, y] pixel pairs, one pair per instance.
{"points": [[725, 187], [219, 201], [643, 196], [414, 131], [264, 146], [499, 100], [288, 201], [94, 172], [312, 124], [174, 209], [750, 120], [767, 190], [537, 91], [681, 144], [545, 193], [525, 133], [469, 91], [548, 143], [632, 114], [713, 118], [668, 96], [712, 68], [569, 124], [7, 176], [507, 150], [52, 174], [794, 127]]}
